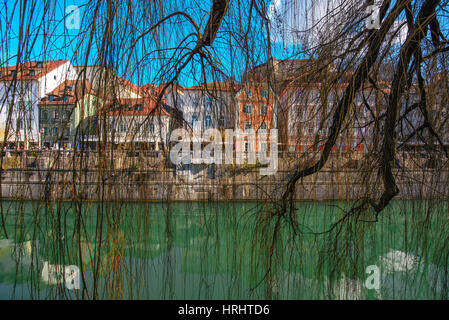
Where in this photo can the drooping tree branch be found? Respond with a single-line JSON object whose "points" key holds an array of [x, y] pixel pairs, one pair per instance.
{"points": [[375, 40], [415, 35]]}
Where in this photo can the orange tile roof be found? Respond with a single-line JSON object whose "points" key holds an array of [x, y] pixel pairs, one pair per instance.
{"points": [[78, 90], [153, 89], [216, 86], [127, 107], [26, 69]]}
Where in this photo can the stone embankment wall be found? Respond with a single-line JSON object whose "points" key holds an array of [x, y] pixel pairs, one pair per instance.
{"points": [[133, 178], [247, 185]]}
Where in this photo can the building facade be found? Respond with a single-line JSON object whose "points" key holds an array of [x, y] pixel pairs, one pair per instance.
{"points": [[21, 89], [256, 111], [63, 110]]}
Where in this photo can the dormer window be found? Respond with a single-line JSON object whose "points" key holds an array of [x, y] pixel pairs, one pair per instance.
{"points": [[32, 73], [138, 107], [65, 98], [68, 88], [51, 98], [39, 65]]}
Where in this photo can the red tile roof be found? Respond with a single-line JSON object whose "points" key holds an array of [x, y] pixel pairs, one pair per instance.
{"points": [[127, 107], [216, 86], [25, 70], [152, 89], [78, 90]]}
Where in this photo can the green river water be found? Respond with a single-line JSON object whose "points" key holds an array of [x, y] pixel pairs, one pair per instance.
{"points": [[214, 250]]}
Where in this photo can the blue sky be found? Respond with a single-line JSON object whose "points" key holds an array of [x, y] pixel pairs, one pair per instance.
{"points": [[145, 64], [55, 41]]}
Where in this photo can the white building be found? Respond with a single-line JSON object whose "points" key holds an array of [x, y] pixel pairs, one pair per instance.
{"points": [[21, 88], [204, 106], [108, 82], [137, 122]]}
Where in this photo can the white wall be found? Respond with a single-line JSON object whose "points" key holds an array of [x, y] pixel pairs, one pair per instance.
{"points": [[137, 128], [24, 98], [28, 94], [54, 78]]}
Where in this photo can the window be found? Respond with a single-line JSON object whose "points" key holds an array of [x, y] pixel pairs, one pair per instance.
{"points": [[68, 88], [19, 124], [32, 73], [55, 114], [323, 132], [138, 107], [264, 147], [39, 65], [67, 132], [311, 130], [55, 131], [12, 73], [208, 101], [208, 121], [248, 125], [193, 119], [44, 116], [123, 127], [247, 109], [151, 128], [264, 110], [51, 98], [264, 93], [65, 98], [263, 126], [249, 93], [67, 114], [45, 131]]}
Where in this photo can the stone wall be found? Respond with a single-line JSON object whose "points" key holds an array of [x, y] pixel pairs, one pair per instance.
{"points": [[219, 184]]}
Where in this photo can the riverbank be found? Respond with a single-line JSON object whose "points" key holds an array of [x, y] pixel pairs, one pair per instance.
{"points": [[208, 183]]}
